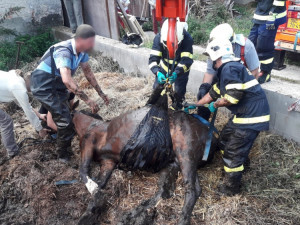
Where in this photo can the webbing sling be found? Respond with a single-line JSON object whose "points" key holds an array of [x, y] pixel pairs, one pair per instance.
{"points": [[243, 54], [210, 132]]}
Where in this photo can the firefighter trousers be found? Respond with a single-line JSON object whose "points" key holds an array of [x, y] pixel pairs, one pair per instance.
{"points": [[235, 145], [263, 40]]}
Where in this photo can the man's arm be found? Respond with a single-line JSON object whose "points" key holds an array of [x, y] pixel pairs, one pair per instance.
{"points": [[23, 101], [73, 87], [92, 80], [255, 73]]}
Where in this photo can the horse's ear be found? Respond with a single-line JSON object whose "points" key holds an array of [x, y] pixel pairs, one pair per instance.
{"points": [[75, 105]]}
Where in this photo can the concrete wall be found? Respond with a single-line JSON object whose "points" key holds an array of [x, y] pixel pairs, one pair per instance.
{"points": [[134, 60], [35, 13], [243, 2]]}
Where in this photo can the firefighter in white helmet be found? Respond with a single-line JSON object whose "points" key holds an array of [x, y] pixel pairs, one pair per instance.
{"points": [[241, 93], [177, 69], [243, 48]]}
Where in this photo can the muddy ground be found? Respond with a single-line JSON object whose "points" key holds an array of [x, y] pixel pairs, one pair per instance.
{"points": [[28, 194]]}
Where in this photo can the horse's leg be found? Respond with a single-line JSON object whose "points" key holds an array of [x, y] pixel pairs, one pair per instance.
{"points": [[98, 203], [166, 187], [188, 167], [86, 158]]}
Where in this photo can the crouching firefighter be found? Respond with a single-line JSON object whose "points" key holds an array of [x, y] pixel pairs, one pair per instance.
{"points": [[172, 66], [269, 14], [243, 48], [243, 96], [52, 79]]}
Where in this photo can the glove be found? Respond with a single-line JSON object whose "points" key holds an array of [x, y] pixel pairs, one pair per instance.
{"points": [[270, 24], [187, 109], [203, 90], [173, 77], [211, 107], [161, 78]]}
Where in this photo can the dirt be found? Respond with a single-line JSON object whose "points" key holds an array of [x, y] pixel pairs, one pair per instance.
{"points": [[270, 193]]}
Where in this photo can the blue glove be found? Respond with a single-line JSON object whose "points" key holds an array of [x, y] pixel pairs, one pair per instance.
{"points": [[270, 24], [187, 109], [161, 78], [211, 107], [173, 77]]}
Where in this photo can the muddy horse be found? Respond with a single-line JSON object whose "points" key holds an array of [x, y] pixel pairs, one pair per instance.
{"points": [[103, 142]]}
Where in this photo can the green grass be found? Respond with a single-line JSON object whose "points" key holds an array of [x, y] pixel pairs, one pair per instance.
{"points": [[34, 46], [200, 28]]}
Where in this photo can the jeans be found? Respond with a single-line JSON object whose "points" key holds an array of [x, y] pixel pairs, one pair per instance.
{"points": [[74, 10], [7, 133]]}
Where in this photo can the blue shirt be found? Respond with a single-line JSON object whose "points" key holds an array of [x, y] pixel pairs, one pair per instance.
{"points": [[65, 56]]}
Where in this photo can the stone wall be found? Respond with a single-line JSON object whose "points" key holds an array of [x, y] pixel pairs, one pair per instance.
{"points": [[33, 15]]}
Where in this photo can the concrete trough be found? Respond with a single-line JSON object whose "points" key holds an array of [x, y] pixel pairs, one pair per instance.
{"points": [[135, 60]]}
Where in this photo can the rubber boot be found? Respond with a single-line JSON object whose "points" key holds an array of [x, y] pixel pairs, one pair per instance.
{"points": [[64, 150], [231, 184]]}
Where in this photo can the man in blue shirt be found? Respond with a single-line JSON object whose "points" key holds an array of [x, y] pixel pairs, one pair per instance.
{"points": [[52, 79]]}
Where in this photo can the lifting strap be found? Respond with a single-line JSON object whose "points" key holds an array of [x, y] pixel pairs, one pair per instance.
{"points": [[243, 54]]}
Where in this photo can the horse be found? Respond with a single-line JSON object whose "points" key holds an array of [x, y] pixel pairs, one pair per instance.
{"points": [[103, 141]]}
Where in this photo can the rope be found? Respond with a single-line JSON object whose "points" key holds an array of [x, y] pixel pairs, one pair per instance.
{"points": [[34, 142]]}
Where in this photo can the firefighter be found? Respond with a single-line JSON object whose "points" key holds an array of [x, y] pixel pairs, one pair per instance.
{"points": [[52, 82], [242, 47], [241, 93], [269, 14], [161, 65]]}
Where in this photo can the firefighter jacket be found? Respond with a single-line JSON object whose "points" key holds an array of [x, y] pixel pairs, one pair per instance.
{"points": [[249, 104], [160, 62], [265, 7]]}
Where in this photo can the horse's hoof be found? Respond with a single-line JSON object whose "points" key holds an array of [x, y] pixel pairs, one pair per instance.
{"points": [[138, 216], [87, 218]]}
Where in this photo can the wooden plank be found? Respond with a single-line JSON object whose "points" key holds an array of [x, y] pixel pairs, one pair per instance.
{"points": [[139, 8], [114, 26], [95, 14]]}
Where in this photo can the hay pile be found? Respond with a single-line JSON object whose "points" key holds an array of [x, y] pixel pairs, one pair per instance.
{"points": [[28, 194]]}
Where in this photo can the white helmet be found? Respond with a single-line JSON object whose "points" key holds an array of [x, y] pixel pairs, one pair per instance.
{"points": [[180, 26], [223, 30], [220, 48]]}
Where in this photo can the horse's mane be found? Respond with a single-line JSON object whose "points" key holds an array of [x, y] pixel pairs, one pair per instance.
{"points": [[95, 116]]}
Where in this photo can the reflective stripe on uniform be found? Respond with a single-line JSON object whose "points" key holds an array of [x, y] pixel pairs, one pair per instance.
{"points": [[155, 52], [152, 64], [240, 86], [236, 169], [185, 69], [259, 119], [216, 89], [278, 3], [231, 99], [267, 61], [268, 17], [170, 61], [186, 54], [222, 152], [165, 68]]}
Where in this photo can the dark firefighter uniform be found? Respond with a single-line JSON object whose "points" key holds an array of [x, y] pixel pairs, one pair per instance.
{"points": [[251, 115], [269, 14], [159, 62]]}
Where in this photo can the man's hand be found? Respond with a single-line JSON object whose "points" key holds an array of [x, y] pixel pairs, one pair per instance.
{"points": [[105, 99], [93, 105], [161, 78], [212, 107], [43, 132], [173, 78]]}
